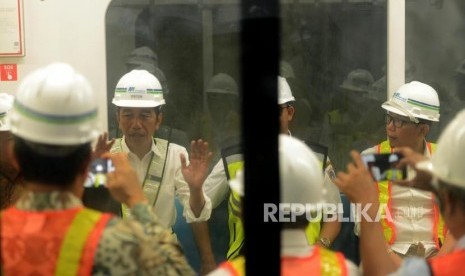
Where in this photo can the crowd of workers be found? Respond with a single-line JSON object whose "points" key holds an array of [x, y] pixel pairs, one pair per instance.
{"points": [[47, 133]]}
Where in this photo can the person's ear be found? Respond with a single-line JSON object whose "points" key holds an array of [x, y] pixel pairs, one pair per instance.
{"points": [[290, 112], [424, 129]]}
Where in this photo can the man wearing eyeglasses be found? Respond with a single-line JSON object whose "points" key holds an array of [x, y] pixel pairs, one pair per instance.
{"points": [[411, 221]]}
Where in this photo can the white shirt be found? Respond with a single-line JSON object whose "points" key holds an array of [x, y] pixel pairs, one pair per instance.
{"points": [[216, 186], [172, 184], [419, 266], [412, 213]]}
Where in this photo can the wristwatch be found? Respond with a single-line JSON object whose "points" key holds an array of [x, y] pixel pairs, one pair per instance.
{"points": [[325, 242]]}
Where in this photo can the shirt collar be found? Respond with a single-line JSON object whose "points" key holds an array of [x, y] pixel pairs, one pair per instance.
{"points": [[154, 149], [40, 201]]}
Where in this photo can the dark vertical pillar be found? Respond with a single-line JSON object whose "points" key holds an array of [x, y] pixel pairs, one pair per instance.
{"points": [[260, 125]]}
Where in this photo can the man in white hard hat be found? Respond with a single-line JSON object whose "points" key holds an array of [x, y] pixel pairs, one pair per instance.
{"points": [[412, 225], [48, 231], [301, 185], [442, 174], [326, 233], [162, 166], [9, 175], [216, 186]]}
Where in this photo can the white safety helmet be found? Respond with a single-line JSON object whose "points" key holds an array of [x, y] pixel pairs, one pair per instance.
{"points": [[300, 171], [6, 102], [138, 88], [415, 100], [222, 84], [55, 105], [284, 91], [359, 80], [446, 164], [142, 55]]}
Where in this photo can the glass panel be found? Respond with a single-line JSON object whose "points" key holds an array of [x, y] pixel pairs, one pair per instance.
{"points": [[334, 58], [193, 50], [434, 47]]}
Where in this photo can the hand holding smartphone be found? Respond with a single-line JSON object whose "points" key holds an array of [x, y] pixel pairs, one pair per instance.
{"points": [[98, 170], [384, 166]]}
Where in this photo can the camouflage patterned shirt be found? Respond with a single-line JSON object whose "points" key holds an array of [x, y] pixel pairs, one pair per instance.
{"points": [[135, 246]]}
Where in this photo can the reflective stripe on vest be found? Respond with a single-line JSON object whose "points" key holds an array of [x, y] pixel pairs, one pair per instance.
{"points": [[236, 228], [385, 199], [321, 262], [77, 237], [235, 267], [450, 264], [154, 173], [62, 242], [313, 228]]}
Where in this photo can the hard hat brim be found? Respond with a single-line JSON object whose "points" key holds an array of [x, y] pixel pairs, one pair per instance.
{"points": [[387, 106], [136, 103]]}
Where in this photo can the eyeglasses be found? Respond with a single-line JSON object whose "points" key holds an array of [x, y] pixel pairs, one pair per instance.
{"points": [[282, 107], [398, 123]]}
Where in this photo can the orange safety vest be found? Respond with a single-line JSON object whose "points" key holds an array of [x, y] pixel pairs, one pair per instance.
{"points": [[60, 242], [235, 267], [450, 264], [321, 262], [385, 198]]}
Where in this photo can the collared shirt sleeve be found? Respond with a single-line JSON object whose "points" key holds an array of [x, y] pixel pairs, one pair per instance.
{"points": [[216, 185], [139, 245], [183, 192]]}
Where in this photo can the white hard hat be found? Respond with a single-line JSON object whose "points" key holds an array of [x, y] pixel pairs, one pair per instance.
{"points": [[142, 55], [284, 91], [222, 84], [55, 105], [415, 100], [6, 102], [446, 164], [300, 171], [138, 88], [359, 80]]}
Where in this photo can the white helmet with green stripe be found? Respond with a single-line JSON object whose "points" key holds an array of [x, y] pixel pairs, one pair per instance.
{"points": [[138, 88], [415, 100], [55, 105]]}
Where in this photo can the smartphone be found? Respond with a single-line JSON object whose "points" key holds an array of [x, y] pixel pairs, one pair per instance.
{"points": [[98, 170], [383, 166]]}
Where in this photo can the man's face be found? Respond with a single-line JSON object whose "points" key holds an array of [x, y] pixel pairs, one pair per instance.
{"points": [[285, 116], [402, 132], [138, 124]]}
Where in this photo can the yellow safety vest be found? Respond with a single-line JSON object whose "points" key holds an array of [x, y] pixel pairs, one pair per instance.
{"points": [[236, 266], [236, 228], [385, 198], [154, 174]]}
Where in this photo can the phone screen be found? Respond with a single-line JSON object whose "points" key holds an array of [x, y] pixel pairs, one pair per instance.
{"points": [[98, 170], [383, 166]]}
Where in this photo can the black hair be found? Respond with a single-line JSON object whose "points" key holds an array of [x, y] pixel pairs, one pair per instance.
{"points": [[51, 164]]}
